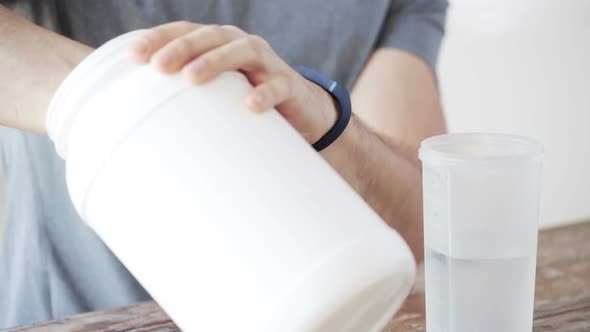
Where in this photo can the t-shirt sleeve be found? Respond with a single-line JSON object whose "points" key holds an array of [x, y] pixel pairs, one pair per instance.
{"points": [[416, 26], [42, 13]]}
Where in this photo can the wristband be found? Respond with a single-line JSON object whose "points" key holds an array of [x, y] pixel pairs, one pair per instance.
{"points": [[344, 108]]}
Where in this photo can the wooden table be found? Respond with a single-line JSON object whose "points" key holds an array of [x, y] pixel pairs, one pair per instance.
{"points": [[562, 301]]}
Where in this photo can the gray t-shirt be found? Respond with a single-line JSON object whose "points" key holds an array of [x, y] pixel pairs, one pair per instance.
{"points": [[51, 264]]}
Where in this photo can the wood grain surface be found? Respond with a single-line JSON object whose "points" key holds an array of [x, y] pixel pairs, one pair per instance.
{"points": [[562, 299]]}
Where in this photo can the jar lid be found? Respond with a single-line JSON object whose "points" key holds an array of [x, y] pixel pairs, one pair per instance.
{"points": [[103, 63]]}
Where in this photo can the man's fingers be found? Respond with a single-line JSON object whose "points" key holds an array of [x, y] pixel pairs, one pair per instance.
{"points": [[236, 55], [174, 55], [155, 38], [207, 51], [270, 93]]}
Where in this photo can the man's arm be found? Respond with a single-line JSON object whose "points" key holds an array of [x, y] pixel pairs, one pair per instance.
{"points": [[397, 105], [378, 158], [33, 62]]}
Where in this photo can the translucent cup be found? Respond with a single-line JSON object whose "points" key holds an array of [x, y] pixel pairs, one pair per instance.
{"points": [[481, 203]]}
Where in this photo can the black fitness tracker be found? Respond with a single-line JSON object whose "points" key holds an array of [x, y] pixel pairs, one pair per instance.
{"points": [[340, 94]]}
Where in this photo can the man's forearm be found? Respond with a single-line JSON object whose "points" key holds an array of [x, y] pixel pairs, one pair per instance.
{"points": [[33, 62], [386, 175]]}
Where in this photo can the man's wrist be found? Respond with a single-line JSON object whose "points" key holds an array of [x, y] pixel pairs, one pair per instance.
{"points": [[343, 155]]}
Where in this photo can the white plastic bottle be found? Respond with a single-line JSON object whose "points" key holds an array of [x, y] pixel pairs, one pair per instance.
{"points": [[228, 218]]}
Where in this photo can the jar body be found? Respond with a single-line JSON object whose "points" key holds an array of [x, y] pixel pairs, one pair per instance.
{"points": [[228, 218]]}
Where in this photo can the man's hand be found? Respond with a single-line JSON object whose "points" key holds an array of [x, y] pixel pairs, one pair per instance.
{"points": [[202, 52]]}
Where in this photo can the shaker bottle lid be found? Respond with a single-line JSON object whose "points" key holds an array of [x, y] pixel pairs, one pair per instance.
{"points": [[478, 148]]}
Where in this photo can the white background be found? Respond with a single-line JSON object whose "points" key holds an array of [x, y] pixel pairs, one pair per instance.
{"points": [[523, 67]]}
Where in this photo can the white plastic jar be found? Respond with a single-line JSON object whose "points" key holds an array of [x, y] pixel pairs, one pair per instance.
{"points": [[228, 218]]}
